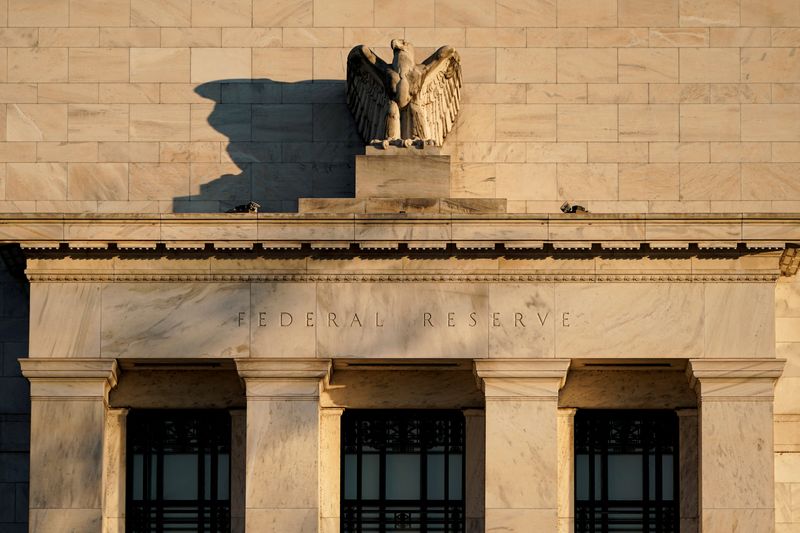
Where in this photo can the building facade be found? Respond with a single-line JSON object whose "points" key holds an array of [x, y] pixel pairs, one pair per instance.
{"points": [[419, 354]]}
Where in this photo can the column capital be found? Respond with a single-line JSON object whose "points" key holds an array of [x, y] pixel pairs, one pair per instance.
{"points": [[70, 378], [283, 379], [734, 379], [519, 379]]}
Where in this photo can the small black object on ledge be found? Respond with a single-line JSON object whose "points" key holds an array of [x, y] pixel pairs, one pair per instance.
{"points": [[567, 208], [250, 207]]}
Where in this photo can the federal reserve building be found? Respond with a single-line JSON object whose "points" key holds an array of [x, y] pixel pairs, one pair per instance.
{"points": [[399, 266]]}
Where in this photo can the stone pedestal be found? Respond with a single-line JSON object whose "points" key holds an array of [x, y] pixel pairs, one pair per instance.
{"points": [[68, 421], [283, 444], [736, 478], [403, 173], [521, 442]]}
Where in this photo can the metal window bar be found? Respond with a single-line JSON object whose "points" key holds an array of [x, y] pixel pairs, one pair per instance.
{"points": [[422, 434], [604, 434], [154, 434]]}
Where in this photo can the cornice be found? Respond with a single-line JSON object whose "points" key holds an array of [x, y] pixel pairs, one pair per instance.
{"points": [[415, 231], [110, 277]]}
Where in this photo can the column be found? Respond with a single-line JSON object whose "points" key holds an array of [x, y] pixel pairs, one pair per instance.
{"points": [[238, 468], [687, 442], [736, 476], [68, 409], [330, 460], [283, 444], [114, 471], [475, 422], [521, 442], [566, 469]]}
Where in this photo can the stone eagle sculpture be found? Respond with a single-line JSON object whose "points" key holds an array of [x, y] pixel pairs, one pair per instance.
{"points": [[404, 103]]}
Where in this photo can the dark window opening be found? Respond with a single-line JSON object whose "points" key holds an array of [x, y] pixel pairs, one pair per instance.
{"points": [[178, 471], [626, 471], [402, 471]]}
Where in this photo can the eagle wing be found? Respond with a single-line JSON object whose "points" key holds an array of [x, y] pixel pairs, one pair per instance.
{"points": [[366, 92], [439, 96]]}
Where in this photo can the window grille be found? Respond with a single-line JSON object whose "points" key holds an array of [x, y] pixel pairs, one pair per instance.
{"points": [[178, 471], [402, 471], [626, 471]]}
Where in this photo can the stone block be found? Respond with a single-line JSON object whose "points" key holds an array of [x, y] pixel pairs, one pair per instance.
{"points": [[525, 122], [283, 13], [98, 122], [703, 181], [770, 13], [37, 65], [771, 122], [36, 181], [68, 93], [414, 13], [770, 65], [587, 65], [160, 65], [252, 37], [36, 122], [453, 13], [34, 13], [710, 122], [597, 181], [593, 122], [160, 122], [99, 65], [700, 65], [130, 37], [644, 65], [618, 93], [740, 37], [556, 37], [552, 93], [529, 181], [479, 65], [191, 37], [97, 181], [648, 13], [339, 13], [556, 152], [709, 13], [128, 93], [526, 65], [617, 37], [678, 37], [653, 122], [402, 176], [210, 13], [655, 181], [85, 13], [215, 64], [580, 13], [625, 152], [124, 152], [162, 181], [69, 37], [283, 64], [531, 13]]}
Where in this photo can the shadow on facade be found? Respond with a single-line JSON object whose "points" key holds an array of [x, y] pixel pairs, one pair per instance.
{"points": [[281, 141]]}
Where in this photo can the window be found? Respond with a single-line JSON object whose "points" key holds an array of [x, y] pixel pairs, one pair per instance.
{"points": [[402, 471], [626, 471], [178, 471]]}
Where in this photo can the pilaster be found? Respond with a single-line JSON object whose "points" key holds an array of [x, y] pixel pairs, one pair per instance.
{"points": [[69, 461], [330, 459], [521, 442], [283, 443], [475, 422], [566, 469], [736, 476]]}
